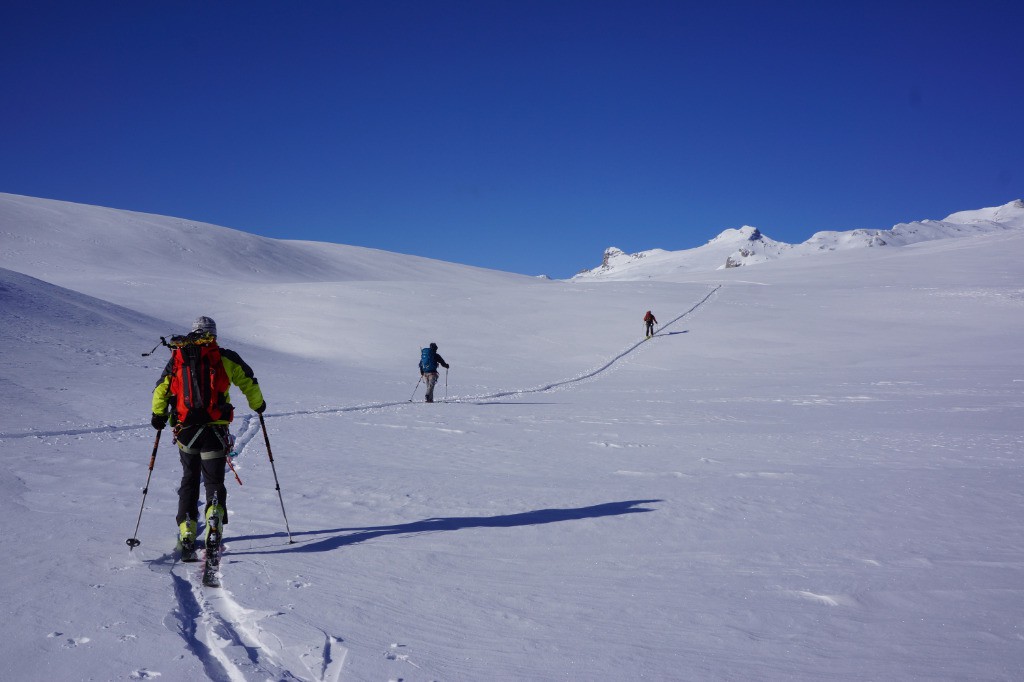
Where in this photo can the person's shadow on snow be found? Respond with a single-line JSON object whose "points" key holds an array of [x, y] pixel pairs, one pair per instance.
{"points": [[340, 537]]}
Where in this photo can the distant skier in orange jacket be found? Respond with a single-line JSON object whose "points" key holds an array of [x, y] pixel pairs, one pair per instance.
{"points": [[650, 320]]}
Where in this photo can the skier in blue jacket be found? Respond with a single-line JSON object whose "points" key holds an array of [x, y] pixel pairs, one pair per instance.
{"points": [[429, 360]]}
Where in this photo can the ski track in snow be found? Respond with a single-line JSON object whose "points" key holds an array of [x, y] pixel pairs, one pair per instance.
{"points": [[231, 644], [228, 639], [249, 425], [248, 429]]}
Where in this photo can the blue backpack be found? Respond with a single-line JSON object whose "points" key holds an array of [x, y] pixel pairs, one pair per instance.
{"points": [[428, 360]]}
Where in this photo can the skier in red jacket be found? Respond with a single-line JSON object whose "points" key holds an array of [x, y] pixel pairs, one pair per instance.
{"points": [[649, 321]]}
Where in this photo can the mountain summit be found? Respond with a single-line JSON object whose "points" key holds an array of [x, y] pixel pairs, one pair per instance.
{"points": [[749, 246]]}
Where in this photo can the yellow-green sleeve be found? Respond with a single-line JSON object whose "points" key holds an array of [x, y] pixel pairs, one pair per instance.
{"points": [[162, 394], [241, 375]]}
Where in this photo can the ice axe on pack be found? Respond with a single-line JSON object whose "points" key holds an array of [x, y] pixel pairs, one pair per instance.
{"points": [[197, 337], [163, 342]]}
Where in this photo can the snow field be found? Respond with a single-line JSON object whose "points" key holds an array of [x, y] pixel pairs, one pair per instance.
{"points": [[813, 475]]}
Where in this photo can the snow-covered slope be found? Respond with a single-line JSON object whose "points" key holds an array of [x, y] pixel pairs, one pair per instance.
{"points": [[75, 245], [748, 246], [811, 472], [169, 268], [49, 334]]}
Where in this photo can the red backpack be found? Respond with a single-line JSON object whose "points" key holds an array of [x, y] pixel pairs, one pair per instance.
{"points": [[199, 382]]}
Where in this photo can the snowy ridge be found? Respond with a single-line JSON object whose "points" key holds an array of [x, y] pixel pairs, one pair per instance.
{"points": [[748, 246], [961, 224], [73, 244]]}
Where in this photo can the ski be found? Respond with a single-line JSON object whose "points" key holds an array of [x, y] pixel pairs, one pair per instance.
{"points": [[211, 563], [210, 577], [188, 554], [211, 559]]}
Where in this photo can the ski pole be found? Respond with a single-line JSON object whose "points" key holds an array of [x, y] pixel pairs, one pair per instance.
{"points": [[134, 541], [415, 388], [446, 383], [277, 485]]}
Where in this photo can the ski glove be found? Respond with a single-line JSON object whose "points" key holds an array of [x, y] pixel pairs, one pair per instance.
{"points": [[159, 421], [262, 408]]}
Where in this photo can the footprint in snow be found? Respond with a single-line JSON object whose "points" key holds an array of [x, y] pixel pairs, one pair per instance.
{"points": [[393, 654], [73, 642], [652, 474], [824, 599]]}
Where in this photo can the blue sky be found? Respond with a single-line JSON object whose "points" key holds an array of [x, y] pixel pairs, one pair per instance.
{"points": [[518, 135]]}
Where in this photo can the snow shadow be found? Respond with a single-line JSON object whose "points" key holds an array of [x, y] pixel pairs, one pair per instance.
{"points": [[341, 537], [511, 402], [73, 432]]}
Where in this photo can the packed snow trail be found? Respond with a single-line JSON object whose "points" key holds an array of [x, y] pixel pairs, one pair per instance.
{"points": [[238, 644], [251, 427], [592, 373], [248, 426]]}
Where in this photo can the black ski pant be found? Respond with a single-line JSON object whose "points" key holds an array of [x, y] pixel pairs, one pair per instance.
{"points": [[650, 329], [203, 465]]}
